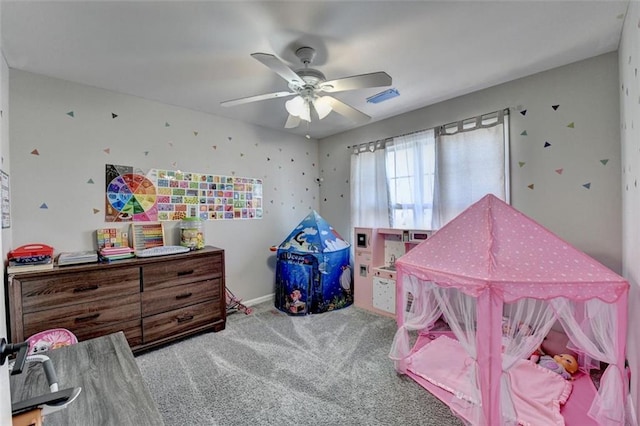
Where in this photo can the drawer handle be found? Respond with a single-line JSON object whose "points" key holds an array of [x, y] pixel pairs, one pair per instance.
{"points": [[184, 318], [182, 273], [87, 318], [86, 288], [183, 296]]}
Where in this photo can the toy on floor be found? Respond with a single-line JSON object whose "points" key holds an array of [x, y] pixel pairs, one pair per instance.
{"points": [[234, 304]]}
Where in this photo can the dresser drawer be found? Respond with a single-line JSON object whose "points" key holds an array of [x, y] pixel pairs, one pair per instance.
{"points": [[132, 331], [167, 274], [85, 316], [179, 320], [169, 298], [58, 290]]}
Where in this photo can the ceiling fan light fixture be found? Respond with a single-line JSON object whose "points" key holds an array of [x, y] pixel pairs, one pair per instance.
{"points": [[295, 106], [306, 84], [299, 107], [322, 106], [306, 112]]}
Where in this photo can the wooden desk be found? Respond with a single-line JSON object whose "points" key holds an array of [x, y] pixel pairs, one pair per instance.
{"points": [[113, 391]]}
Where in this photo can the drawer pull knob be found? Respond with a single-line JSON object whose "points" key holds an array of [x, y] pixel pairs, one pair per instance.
{"points": [[184, 318], [86, 288], [87, 318], [183, 296], [182, 273]]}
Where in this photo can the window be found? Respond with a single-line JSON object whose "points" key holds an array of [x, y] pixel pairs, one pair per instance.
{"points": [[431, 176], [472, 161], [410, 165]]}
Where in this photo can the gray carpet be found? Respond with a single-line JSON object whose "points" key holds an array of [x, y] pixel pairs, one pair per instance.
{"points": [[269, 368]]}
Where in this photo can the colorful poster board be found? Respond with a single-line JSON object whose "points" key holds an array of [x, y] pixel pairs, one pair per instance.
{"points": [[165, 195], [130, 195]]}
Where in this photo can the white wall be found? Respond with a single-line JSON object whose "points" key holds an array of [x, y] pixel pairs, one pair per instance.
{"points": [[629, 93], [5, 237], [587, 95], [73, 153]]}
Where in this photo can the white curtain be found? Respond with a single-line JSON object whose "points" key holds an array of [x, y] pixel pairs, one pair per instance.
{"points": [[410, 174], [525, 324], [469, 165], [459, 311], [597, 338], [369, 196], [420, 313], [429, 302]]}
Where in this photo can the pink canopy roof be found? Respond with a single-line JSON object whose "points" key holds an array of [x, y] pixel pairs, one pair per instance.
{"points": [[491, 244]]}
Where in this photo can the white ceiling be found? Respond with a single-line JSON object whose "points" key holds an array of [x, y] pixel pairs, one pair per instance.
{"points": [[196, 54]]}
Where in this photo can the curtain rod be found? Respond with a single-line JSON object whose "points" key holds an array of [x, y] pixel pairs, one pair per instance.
{"points": [[390, 138]]}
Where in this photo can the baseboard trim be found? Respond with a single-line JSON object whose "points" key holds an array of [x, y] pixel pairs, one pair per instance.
{"points": [[258, 300]]}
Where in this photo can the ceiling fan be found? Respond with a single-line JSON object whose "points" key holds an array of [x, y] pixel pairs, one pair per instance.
{"points": [[308, 85]]}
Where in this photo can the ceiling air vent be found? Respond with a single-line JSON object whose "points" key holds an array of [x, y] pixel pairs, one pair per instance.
{"points": [[383, 96]]}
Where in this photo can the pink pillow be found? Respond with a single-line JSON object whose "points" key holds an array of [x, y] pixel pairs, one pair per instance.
{"points": [[556, 343]]}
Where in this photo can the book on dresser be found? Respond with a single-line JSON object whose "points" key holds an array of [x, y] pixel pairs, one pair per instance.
{"points": [[77, 257], [16, 268]]}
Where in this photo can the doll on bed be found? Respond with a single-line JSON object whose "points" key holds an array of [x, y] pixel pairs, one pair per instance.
{"points": [[509, 333], [563, 364]]}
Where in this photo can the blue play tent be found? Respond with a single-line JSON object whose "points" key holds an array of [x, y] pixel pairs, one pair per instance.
{"points": [[312, 271]]}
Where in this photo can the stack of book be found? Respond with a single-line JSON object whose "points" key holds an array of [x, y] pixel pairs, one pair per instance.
{"points": [[108, 254], [74, 258], [16, 267], [30, 257]]}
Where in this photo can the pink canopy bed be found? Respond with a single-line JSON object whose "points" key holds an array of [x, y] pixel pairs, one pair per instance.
{"points": [[505, 286]]}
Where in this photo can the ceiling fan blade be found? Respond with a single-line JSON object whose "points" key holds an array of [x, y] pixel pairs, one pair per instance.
{"points": [[348, 111], [375, 79], [292, 122], [256, 98], [279, 67]]}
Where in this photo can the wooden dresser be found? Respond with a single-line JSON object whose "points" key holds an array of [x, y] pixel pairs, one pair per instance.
{"points": [[152, 300]]}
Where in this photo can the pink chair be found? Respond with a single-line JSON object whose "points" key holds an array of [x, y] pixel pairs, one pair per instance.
{"points": [[50, 339]]}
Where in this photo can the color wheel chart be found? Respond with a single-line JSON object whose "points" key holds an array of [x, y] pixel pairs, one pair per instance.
{"points": [[130, 195]]}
